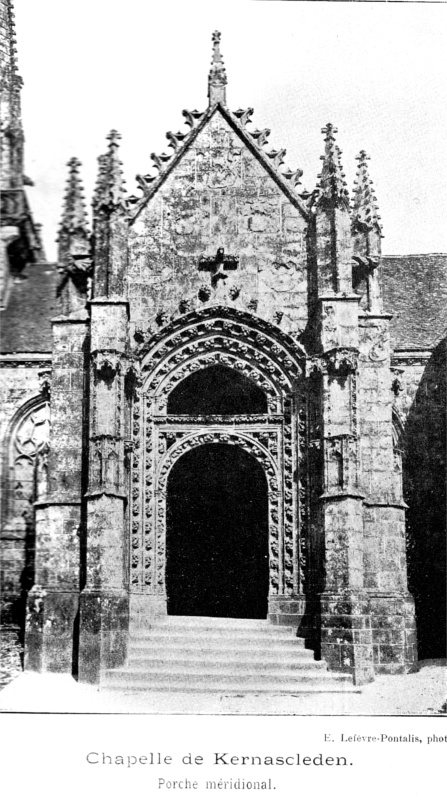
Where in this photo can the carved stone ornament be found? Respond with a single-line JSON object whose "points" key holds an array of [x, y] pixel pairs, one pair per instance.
{"points": [[236, 342], [106, 365], [275, 362], [338, 362], [44, 376], [397, 384]]}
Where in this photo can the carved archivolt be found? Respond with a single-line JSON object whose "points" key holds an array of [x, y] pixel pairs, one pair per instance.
{"points": [[263, 446], [275, 363], [256, 447]]}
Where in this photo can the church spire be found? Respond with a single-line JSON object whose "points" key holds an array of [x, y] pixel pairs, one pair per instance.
{"points": [[10, 105], [365, 211], [74, 234], [217, 78], [332, 186]]}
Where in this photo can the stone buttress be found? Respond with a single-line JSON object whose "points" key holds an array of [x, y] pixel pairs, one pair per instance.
{"points": [[53, 602], [392, 617], [222, 262], [104, 598]]}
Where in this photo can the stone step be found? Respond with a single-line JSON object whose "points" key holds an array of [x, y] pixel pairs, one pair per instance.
{"points": [[207, 654], [222, 676], [210, 636], [293, 660], [126, 680], [235, 688], [163, 650], [232, 623], [178, 661]]}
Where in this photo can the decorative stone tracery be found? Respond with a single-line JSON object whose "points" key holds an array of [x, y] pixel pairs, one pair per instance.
{"points": [[275, 363], [27, 458]]}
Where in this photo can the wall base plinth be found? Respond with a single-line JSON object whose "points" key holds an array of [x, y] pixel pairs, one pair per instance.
{"points": [[50, 622], [346, 640], [284, 610], [393, 629], [104, 628], [144, 608]]}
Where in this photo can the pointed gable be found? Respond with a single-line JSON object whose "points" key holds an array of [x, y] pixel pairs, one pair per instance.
{"points": [[222, 189]]}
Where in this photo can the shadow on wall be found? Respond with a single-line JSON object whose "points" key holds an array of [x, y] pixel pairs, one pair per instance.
{"points": [[424, 475]]}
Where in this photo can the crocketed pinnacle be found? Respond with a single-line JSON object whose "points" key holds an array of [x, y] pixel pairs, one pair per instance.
{"points": [[10, 104], [74, 214], [109, 192], [217, 79], [9, 77], [73, 229], [365, 212], [332, 191]]}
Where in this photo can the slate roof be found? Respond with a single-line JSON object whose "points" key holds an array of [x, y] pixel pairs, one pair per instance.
{"points": [[415, 292], [25, 323]]}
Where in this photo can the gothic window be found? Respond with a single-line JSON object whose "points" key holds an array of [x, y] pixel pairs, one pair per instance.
{"points": [[217, 390], [27, 462]]}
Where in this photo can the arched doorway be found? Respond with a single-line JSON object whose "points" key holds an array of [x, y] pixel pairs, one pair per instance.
{"points": [[217, 534], [217, 390]]}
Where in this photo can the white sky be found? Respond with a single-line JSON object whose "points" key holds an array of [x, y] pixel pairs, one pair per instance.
{"points": [[376, 70]]}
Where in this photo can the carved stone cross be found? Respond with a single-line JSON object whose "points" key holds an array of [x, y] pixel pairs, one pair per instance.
{"points": [[218, 265]]}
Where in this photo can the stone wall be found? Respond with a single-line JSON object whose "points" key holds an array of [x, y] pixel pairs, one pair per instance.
{"points": [[219, 195], [24, 431]]}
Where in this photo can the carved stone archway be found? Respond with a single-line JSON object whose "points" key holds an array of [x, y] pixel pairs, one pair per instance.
{"points": [[276, 439]]}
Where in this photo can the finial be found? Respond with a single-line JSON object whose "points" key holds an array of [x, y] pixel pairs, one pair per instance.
{"points": [[114, 138], [217, 79], [332, 186], [365, 211]]}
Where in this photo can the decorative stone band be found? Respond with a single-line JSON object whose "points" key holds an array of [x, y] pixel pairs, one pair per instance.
{"points": [[410, 358], [25, 362]]}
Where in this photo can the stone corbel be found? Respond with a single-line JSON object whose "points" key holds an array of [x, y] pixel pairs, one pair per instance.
{"points": [[338, 362], [106, 365]]}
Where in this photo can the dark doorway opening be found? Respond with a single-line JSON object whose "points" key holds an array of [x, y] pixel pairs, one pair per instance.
{"points": [[217, 390], [217, 534]]}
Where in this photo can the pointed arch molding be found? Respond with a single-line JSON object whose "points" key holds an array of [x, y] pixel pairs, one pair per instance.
{"points": [[262, 353], [256, 349]]}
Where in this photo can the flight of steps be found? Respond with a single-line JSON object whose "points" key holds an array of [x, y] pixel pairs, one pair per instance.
{"points": [[207, 654]]}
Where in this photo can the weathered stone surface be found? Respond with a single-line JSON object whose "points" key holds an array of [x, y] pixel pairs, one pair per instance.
{"points": [[223, 288]]}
